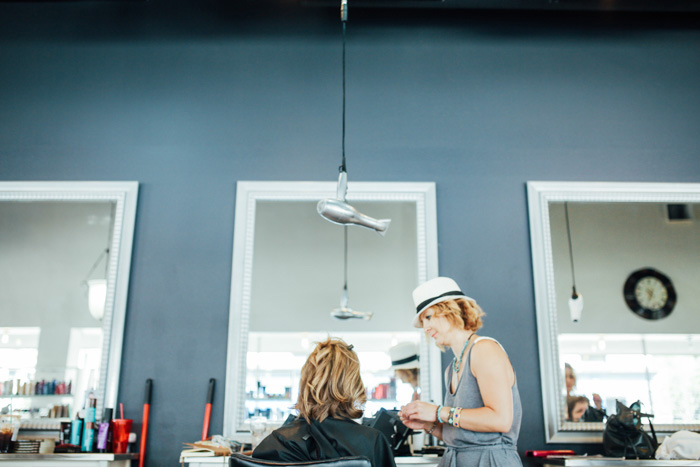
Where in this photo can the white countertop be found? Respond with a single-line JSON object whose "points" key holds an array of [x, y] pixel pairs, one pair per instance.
{"points": [[67, 460], [88, 456], [585, 461]]}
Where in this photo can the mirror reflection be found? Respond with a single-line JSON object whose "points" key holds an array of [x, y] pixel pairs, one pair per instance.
{"points": [[631, 252], [612, 353], [51, 343], [289, 274], [58, 241]]}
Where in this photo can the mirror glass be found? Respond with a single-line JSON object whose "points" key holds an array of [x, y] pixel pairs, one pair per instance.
{"points": [[634, 251], [289, 270], [66, 249]]}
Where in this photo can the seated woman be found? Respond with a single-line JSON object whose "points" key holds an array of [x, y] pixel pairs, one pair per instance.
{"points": [[593, 413], [331, 395], [576, 408]]}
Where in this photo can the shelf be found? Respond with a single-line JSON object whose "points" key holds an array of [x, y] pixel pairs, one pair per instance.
{"points": [[36, 395], [268, 402], [266, 399]]}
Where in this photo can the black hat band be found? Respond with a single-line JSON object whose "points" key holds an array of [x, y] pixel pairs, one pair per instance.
{"points": [[420, 307], [405, 360]]}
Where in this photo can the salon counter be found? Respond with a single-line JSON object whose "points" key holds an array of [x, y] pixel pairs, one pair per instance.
{"points": [[584, 461], [67, 460], [222, 460]]}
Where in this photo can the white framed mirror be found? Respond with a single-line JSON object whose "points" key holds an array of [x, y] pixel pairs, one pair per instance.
{"points": [[615, 231], [288, 275], [55, 239]]}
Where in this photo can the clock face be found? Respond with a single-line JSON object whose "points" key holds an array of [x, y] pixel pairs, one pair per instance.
{"points": [[649, 294]]}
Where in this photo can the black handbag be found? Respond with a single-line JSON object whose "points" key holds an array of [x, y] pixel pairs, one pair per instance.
{"points": [[624, 436]]}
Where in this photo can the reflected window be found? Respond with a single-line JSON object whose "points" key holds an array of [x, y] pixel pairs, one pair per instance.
{"points": [[83, 360], [274, 363], [19, 348], [660, 370]]}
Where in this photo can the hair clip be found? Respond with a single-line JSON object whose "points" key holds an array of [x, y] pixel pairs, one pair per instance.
{"points": [[350, 347]]}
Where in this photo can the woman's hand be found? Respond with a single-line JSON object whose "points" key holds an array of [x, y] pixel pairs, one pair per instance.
{"points": [[420, 415], [418, 411], [598, 401], [418, 425]]}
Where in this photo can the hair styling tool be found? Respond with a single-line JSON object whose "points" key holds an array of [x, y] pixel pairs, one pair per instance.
{"points": [[207, 409], [144, 422]]}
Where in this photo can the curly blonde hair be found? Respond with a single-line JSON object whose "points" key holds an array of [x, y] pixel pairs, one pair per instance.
{"points": [[460, 313], [330, 384]]}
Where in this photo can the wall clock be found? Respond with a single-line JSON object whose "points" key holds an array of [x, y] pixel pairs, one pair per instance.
{"points": [[649, 293]]}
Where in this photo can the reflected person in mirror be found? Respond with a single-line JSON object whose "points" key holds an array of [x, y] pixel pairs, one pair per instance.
{"points": [[576, 407], [480, 419], [405, 361], [594, 413], [331, 397]]}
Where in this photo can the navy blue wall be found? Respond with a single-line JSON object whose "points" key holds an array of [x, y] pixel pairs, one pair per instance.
{"points": [[189, 99]]}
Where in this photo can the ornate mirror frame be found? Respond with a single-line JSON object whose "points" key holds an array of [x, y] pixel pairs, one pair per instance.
{"points": [[540, 194], [248, 193], [124, 196]]}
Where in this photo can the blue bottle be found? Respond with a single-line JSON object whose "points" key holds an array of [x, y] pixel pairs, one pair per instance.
{"points": [[89, 433], [76, 431]]}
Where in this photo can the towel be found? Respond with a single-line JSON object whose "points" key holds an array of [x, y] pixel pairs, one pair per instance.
{"points": [[682, 444]]}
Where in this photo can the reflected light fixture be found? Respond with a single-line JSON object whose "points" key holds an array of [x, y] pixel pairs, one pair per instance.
{"points": [[345, 312], [336, 210], [576, 300], [97, 289], [97, 294]]}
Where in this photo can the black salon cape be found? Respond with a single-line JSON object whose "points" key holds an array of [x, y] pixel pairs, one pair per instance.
{"points": [[330, 439]]}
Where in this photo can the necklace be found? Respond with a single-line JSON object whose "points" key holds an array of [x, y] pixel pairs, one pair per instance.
{"points": [[456, 363]]}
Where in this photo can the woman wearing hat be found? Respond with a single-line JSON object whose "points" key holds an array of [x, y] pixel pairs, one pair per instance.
{"points": [[479, 420], [405, 361]]}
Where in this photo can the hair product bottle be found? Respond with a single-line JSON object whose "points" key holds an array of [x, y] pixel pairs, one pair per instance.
{"points": [[89, 433]]}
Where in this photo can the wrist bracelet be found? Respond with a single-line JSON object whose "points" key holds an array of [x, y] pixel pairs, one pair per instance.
{"points": [[432, 428], [451, 419], [455, 421], [437, 414]]}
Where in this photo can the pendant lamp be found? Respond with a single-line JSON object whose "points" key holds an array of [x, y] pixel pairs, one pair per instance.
{"points": [[576, 300], [97, 288], [336, 210], [345, 312]]}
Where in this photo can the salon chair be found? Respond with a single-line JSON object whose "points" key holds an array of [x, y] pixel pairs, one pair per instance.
{"points": [[240, 460]]}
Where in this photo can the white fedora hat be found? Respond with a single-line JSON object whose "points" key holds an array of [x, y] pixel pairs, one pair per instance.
{"points": [[404, 356], [434, 291]]}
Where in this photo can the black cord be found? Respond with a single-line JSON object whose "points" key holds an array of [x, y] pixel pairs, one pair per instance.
{"points": [[571, 252], [342, 166], [345, 260], [99, 258]]}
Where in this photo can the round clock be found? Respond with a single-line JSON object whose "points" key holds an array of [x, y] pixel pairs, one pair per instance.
{"points": [[649, 294]]}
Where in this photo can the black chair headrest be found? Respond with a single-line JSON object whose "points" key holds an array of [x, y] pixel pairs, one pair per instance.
{"points": [[240, 460]]}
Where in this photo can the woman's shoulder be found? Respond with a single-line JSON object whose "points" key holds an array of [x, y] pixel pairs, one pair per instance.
{"points": [[487, 343], [345, 425], [349, 424], [488, 348], [291, 428]]}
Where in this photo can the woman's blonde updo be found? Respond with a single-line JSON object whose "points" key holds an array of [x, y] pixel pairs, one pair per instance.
{"points": [[330, 384]]}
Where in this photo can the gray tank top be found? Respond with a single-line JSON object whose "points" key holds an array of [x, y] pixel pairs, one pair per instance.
{"points": [[477, 448]]}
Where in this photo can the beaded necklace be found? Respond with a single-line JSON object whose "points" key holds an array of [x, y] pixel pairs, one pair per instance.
{"points": [[457, 363]]}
